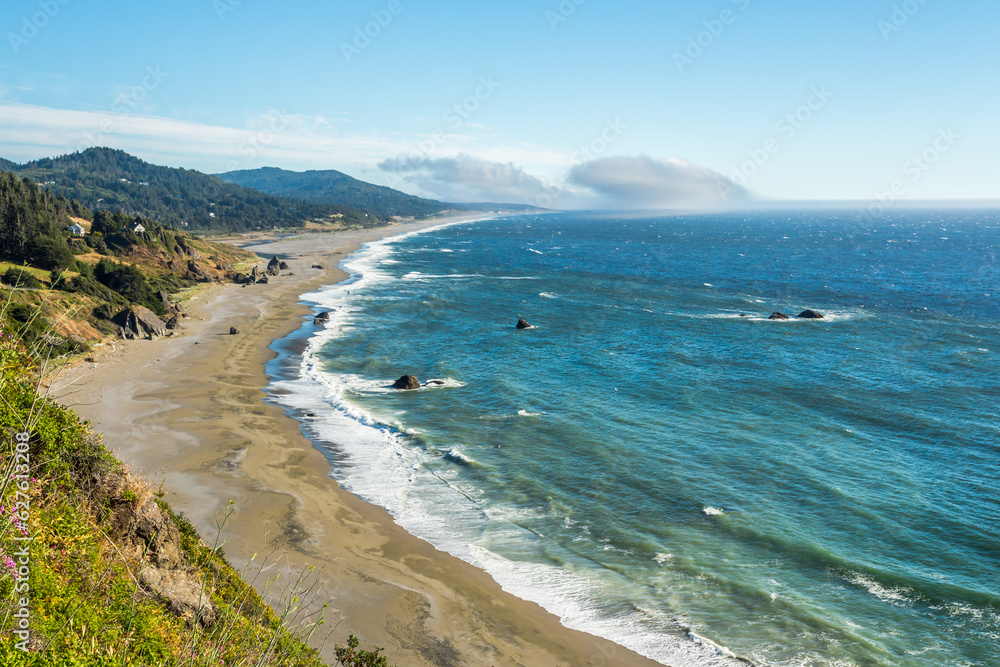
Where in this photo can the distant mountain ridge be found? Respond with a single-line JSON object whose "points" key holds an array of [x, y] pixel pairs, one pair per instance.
{"points": [[335, 187], [109, 179]]}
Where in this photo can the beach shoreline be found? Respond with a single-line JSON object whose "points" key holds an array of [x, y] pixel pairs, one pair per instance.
{"points": [[190, 409]]}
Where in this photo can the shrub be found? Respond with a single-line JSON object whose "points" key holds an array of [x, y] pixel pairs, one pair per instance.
{"points": [[17, 277]]}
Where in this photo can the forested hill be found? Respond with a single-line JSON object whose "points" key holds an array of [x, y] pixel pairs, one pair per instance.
{"points": [[7, 165], [108, 179], [334, 187]]}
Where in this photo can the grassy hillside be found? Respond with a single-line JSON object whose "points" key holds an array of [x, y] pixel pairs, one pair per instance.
{"points": [[107, 179], [334, 187], [96, 569]]}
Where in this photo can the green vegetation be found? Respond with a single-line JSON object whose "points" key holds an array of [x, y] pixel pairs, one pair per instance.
{"points": [[334, 187], [126, 259], [79, 592], [112, 180], [18, 277]]}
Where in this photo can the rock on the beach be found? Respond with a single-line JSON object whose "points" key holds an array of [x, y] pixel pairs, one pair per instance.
{"points": [[407, 382], [274, 265], [173, 322], [810, 315], [778, 316], [233, 331], [140, 322], [317, 266], [283, 266], [262, 280], [523, 324]]}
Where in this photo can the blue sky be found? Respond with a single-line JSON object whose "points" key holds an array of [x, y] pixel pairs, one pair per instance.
{"points": [[596, 103]]}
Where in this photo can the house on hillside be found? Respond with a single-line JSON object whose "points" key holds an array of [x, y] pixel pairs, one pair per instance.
{"points": [[77, 230], [136, 228]]}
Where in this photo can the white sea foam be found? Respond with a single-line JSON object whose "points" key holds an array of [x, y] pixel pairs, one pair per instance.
{"points": [[713, 511], [662, 558], [525, 413], [459, 457], [548, 295]]}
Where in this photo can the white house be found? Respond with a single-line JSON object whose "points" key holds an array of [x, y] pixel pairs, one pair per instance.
{"points": [[77, 230], [137, 228]]}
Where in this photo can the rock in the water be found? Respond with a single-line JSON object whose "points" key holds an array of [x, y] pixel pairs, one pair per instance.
{"points": [[778, 316], [744, 315], [523, 324], [435, 383], [233, 331], [810, 315], [283, 266], [323, 317], [140, 322], [274, 265], [407, 382]]}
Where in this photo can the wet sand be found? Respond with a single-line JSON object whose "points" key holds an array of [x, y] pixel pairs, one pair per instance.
{"points": [[190, 409]]}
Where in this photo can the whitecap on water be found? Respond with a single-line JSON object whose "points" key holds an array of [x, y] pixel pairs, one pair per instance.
{"points": [[713, 511]]}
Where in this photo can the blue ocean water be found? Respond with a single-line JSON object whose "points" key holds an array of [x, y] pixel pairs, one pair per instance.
{"points": [[657, 469]]}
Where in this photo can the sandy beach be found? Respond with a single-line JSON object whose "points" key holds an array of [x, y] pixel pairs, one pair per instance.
{"points": [[189, 409]]}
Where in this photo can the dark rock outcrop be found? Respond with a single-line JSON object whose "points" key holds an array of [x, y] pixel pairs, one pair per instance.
{"points": [[283, 266], [241, 278], [164, 299], [810, 315], [195, 269], [273, 266], [321, 318], [233, 331], [147, 534], [140, 322], [435, 383], [778, 316], [263, 279], [523, 324], [317, 266], [173, 322], [407, 382]]}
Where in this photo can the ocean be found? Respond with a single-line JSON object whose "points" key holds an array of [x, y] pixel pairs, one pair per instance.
{"points": [[658, 463]]}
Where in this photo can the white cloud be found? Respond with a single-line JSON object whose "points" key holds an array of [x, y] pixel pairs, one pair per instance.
{"points": [[468, 179], [649, 183], [29, 132]]}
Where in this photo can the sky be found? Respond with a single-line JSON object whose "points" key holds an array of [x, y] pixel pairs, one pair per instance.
{"points": [[568, 104]]}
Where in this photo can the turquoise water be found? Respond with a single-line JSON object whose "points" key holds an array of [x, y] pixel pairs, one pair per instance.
{"points": [[655, 468]]}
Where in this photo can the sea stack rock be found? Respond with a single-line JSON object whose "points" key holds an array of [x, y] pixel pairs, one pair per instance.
{"points": [[321, 318], [407, 382], [274, 266], [810, 315], [778, 316], [523, 324]]}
